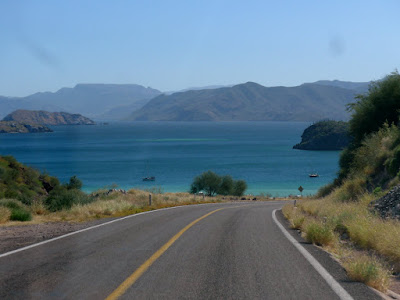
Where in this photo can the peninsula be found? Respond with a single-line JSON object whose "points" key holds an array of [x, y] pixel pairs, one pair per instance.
{"points": [[324, 135], [47, 118], [18, 127]]}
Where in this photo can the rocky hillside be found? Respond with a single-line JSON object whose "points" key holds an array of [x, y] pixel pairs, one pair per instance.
{"points": [[389, 205], [325, 135], [48, 118], [17, 127], [250, 102]]}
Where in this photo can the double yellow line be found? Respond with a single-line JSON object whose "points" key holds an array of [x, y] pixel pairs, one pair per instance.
{"points": [[119, 291]]}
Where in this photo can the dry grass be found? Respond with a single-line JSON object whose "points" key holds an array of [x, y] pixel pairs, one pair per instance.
{"points": [[367, 269], [318, 233], [5, 214], [118, 204], [349, 227]]}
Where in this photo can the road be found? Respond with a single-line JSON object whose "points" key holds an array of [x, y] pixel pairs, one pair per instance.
{"points": [[237, 252]]}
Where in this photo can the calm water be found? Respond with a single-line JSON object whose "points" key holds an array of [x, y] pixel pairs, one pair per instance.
{"points": [[123, 153]]}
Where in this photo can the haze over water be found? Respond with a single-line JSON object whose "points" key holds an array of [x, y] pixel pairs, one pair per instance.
{"points": [[175, 152]]}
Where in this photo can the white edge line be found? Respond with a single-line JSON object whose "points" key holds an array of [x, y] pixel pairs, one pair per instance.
{"points": [[91, 227], [336, 287]]}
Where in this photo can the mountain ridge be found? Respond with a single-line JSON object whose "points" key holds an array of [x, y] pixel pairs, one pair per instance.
{"points": [[120, 101], [92, 100], [250, 102]]}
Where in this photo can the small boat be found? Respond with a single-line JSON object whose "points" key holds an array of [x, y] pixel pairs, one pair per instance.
{"points": [[151, 178], [148, 178], [313, 175]]}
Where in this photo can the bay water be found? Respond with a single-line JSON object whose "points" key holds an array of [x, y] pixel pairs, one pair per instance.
{"points": [[121, 154]]}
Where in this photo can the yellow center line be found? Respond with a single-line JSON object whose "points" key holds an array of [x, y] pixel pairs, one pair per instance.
{"points": [[119, 291]]}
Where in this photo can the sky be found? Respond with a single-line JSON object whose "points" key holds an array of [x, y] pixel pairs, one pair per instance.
{"points": [[173, 45]]}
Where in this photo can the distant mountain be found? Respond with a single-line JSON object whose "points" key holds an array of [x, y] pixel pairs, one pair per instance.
{"points": [[208, 87], [92, 100], [122, 112], [18, 127], [250, 102], [47, 118], [359, 87]]}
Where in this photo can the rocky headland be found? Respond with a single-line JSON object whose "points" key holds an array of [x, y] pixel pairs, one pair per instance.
{"points": [[47, 118], [325, 135], [18, 127]]}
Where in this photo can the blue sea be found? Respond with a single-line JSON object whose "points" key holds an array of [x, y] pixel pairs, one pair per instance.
{"points": [[175, 152]]}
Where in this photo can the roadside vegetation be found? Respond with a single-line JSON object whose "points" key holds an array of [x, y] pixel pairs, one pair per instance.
{"points": [[29, 195], [214, 184], [342, 218]]}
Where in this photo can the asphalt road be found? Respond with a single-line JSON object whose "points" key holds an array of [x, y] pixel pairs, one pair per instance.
{"points": [[237, 252]]}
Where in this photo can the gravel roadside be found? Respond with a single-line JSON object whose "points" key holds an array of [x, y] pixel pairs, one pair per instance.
{"points": [[18, 236]]}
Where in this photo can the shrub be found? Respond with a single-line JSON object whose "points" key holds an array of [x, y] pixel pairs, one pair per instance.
{"points": [[319, 234], [74, 183], [351, 189], [378, 191], [18, 211], [62, 198], [298, 221], [20, 214], [368, 270]]}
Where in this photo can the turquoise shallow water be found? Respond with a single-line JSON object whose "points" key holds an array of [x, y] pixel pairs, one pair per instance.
{"points": [[175, 152]]}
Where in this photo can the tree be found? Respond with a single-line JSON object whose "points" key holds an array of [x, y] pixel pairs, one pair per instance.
{"points": [[208, 182], [74, 183], [212, 184], [226, 187], [381, 104], [239, 188]]}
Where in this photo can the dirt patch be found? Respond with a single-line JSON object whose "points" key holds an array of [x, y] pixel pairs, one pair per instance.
{"points": [[18, 236]]}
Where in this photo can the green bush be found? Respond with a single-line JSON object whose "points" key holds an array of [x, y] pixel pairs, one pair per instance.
{"points": [[63, 198], [74, 183], [20, 214], [18, 211], [319, 234]]}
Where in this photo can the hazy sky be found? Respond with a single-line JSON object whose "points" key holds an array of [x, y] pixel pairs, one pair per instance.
{"points": [[171, 45]]}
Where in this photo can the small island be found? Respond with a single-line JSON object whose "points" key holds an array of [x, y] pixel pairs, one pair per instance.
{"points": [[325, 135], [18, 127], [47, 118]]}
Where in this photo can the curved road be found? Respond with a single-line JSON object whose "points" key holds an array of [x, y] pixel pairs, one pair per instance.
{"points": [[237, 252]]}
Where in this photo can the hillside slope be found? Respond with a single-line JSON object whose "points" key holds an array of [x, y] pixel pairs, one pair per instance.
{"points": [[250, 102]]}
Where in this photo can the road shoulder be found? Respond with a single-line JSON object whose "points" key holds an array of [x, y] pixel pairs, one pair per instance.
{"points": [[356, 289]]}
